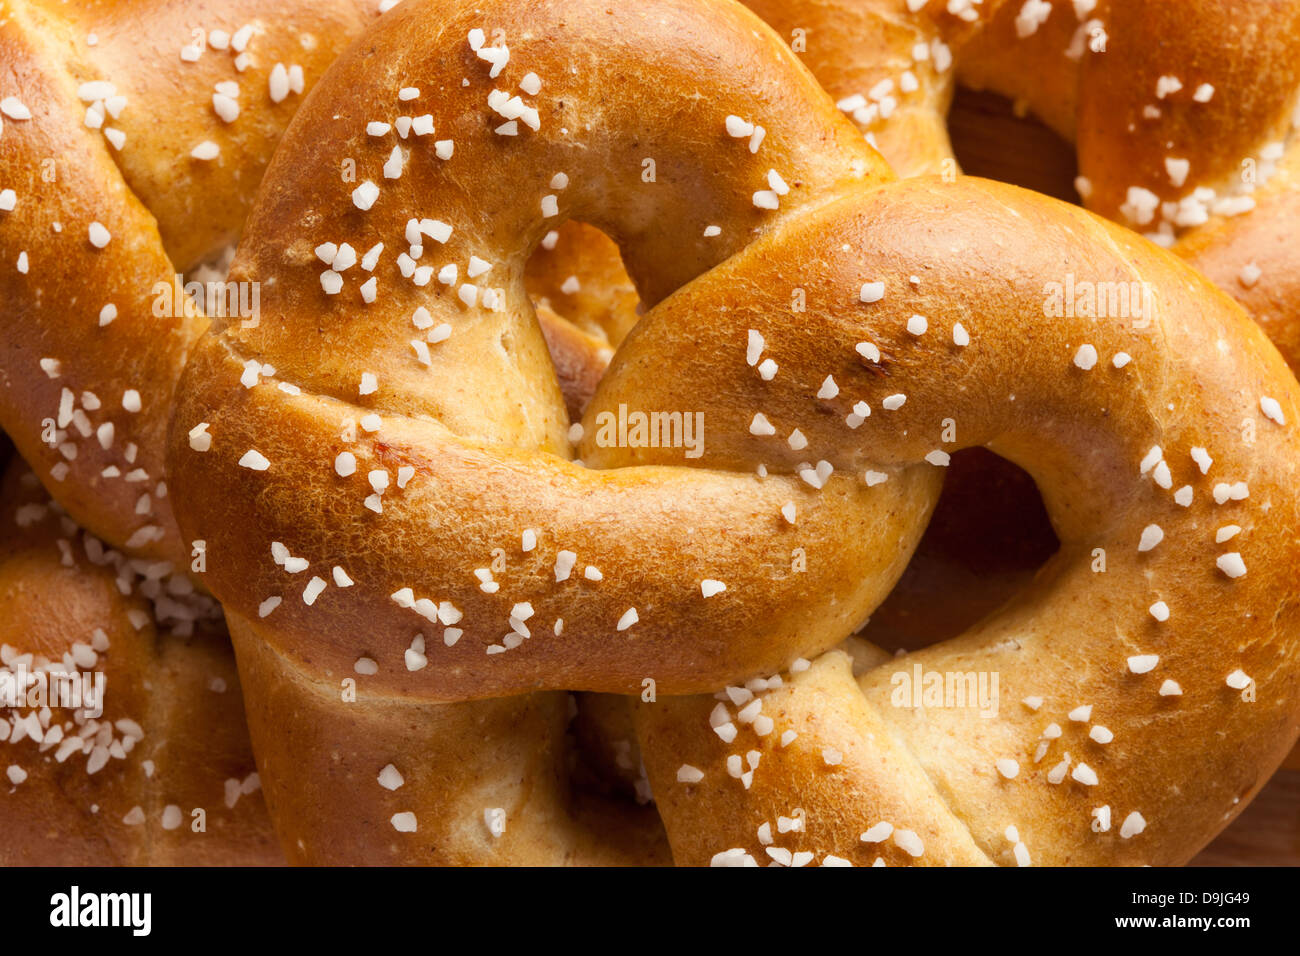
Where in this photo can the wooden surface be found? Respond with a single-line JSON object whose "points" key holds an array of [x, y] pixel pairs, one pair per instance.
{"points": [[991, 141], [1268, 831]]}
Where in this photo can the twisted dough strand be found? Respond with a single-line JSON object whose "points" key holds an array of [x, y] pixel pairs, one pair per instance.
{"points": [[157, 769], [109, 204], [393, 524], [1183, 114], [1194, 550]]}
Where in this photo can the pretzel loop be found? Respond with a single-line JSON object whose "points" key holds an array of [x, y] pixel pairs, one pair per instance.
{"points": [[1153, 449], [468, 424]]}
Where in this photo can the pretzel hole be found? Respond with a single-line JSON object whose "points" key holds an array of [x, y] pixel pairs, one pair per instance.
{"points": [[585, 303], [205, 286], [604, 755], [989, 535], [990, 140]]}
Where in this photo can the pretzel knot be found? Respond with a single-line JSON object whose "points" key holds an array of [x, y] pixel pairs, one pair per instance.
{"points": [[381, 469]]}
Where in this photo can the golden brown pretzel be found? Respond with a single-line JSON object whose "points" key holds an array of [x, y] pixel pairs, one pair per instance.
{"points": [[1139, 463], [866, 54], [857, 47], [515, 403], [123, 157], [1182, 113], [393, 527], [134, 137], [155, 767], [1245, 51]]}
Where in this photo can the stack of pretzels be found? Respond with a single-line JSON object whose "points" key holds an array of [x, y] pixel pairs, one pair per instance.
{"points": [[603, 369]]}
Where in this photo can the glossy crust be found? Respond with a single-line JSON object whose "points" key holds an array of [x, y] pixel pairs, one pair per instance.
{"points": [[1185, 758], [178, 785], [372, 545], [86, 394], [489, 421], [1133, 84]]}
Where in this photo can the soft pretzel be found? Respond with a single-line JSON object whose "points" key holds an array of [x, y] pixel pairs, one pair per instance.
{"points": [[401, 545], [133, 136], [1173, 466], [1101, 74], [81, 141], [1182, 113], [154, 767], [74, 156], [893, 65], [510, 426]]}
